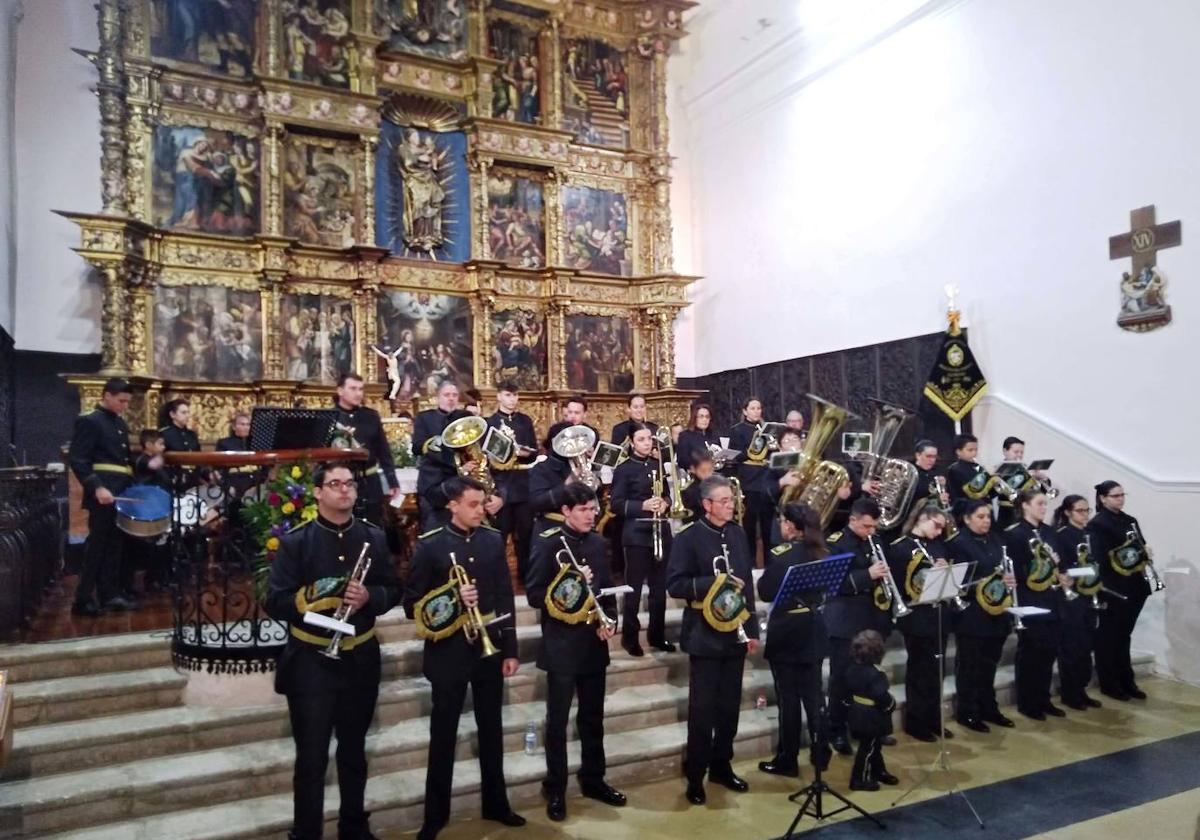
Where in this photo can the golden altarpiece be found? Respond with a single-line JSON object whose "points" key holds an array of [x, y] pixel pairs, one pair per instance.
{"points": [[474, 190]]}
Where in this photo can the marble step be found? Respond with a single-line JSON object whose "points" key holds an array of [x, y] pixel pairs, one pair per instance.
{"points": [[81, 657], [156, 786], [106, 693], [395, 799]]}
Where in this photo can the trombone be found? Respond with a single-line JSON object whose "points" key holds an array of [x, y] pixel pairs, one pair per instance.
{"points": [[888, 583], [666, 465], [475, 628], [723, 558], [597, 613], [656, 538]]}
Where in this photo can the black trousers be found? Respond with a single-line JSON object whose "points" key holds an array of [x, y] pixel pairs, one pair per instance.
{"points": [[714, 703], [1037, 648], [589, 723], [103, 556], [760, 512], [641, 567], [975, 661], [315, 717], [839, 660], [868, 761], [487, 694], [1113, 666], [922, 715], [796, 684], [515, 519], [1075, 650]]}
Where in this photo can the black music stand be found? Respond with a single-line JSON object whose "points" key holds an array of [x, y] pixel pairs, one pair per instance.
{"points": [[291, 428], [812, 583]]}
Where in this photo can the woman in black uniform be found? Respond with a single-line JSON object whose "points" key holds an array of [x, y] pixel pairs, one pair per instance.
{"points": [[1079, 615]]}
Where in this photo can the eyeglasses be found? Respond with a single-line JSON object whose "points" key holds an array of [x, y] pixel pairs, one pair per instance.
{"points": [[338, 484], [1081, 510], [722, 500], [1115, 496]]}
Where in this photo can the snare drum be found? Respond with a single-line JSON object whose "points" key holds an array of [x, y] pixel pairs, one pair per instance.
{"points": [[144, 511]]}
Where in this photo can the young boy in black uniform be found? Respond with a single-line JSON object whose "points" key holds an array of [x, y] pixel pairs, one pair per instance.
{"points": [[869, 711]]}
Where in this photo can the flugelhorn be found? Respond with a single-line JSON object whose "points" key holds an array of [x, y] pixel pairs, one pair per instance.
{"points": [[343, 613], [475, 627], [597, 613], [898, 607]]}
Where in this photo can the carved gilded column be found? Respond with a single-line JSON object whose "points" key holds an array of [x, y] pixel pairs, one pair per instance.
{"points": [[112, 321], [272, 183], [272, 296], [481, 245], [553, 110], [366, 231], [271, 59], [483, 367], [367, 330], [557, 327], [666, 348], [140, 300], [110, 89]]}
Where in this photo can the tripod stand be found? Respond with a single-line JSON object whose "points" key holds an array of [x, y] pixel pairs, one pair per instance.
{"points": [[940, 585]]}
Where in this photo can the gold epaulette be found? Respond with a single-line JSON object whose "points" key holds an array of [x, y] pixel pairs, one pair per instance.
{"points": [[834, 537], [550, 532], [429, 533], [782, 548]]}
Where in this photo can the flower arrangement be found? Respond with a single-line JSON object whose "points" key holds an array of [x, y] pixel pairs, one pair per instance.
{"points": [[283, 503]]}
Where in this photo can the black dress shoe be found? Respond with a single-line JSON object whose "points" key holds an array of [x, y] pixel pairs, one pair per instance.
{"points": [[1077, 705], [1032, 715], [556, 807], [1092, 702], [695, 793], [89, 610], [511, 819], [428, 832], [927, 737], [870, 784], [842, 744], [886, 778], [634, 649], [1054, 711], [665, 647], [888, 740], [1000, 720], [777, 769], [604, 792], [974, 724], [1136, 693], [1116, 695], [730, 780]]}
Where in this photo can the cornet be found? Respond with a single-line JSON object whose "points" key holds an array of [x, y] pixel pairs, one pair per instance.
{"points": [[597, 613], [475, 628], [1006, 569], [718, 560], [899, 608]]}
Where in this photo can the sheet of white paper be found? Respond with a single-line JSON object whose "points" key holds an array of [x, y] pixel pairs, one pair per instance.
{"points": [[616, 590], [1025, 612], [1081, 572], [328, 623]]}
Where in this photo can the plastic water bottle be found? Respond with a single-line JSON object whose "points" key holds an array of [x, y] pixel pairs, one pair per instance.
{"points": [[531, 739], [760, 704]]}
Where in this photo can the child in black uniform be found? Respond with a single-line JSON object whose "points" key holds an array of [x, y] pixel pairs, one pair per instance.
{"points": [[869, 711]]}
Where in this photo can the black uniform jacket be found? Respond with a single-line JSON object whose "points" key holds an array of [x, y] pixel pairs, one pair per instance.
{"points": [[233, 443], [368, 431], [569, 648], [1016, 539], [796, 629], [316, 550], [435, 468], [869, 704], [986, 552], [1108, 531], [631, 487], [512, 482], [754, 475], [692, 441], [623, 431], [690, 575], [692, 501], [177, 439], [853, 609], [923, 620], [428, 425], [958, 476], [546, 480], [99, 454], [924, 492], [481, 553], [143, 474]]}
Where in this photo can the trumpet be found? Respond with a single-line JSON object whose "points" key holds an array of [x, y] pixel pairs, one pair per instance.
{"points": [[1037, 543], [656, 538], [1006, 568], [343, 613], [475, 627], [596, 614], [888, 583], [718, 560], [937, 487], [1148, 570]]}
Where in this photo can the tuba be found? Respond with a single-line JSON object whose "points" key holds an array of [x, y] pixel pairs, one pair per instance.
{"points": [[465, 436], [897, 479], [819, 480], [575, 444]]}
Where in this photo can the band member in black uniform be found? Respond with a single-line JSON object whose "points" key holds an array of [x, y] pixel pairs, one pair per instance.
{"points": [[1078, 616], [966, 479], [910, 557], [313, 572], [981, 629], [754, 475], [1030, 545], [700, 435], [870, 706], [781, 480], [931, 484], [622, 435], [549, 475], [646, 555], [99, 457], [430, 424], [515, 517], [574, 647], [636, 410], [174, 418], [796, 641], [439, 465], [453, 661], [710, 567], [239, 435], [1120, 548], [368, 431], [702, 468], [861, 604]]}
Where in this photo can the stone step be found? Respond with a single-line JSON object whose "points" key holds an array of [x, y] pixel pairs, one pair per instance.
{"points": [[395, 799], [156, 786], [106, 693], [82, 657]]}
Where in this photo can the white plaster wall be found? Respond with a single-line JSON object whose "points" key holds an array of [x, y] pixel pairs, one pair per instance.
{"points": [[10, 16], [58, 168]]}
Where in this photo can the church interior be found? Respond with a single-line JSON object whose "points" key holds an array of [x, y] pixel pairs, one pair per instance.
{"points": [[881, 300]]}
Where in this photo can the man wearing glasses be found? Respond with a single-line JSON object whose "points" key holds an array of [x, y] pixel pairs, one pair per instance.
{"points": [[310, 573]]}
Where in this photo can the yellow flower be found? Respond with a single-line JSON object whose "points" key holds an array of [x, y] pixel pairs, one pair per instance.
{"points": [[288, 508], [297, 472], [308, 514], [272, 543]]}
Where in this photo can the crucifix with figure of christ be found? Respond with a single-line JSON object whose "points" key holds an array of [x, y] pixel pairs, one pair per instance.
{"points": [[1143, 306]]}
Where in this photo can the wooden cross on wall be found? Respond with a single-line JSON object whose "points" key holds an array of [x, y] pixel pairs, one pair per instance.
{"points": [[1144, 240]]}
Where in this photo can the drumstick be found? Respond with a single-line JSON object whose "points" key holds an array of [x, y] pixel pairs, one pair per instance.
{"points": [[129, 499]]}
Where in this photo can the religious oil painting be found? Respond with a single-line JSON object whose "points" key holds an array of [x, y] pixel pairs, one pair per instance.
{"points": [[430, 338], [218, 34], [516, 218], [436, 28], [519, 348], [599, 353], [205, 180], [595, 93], [318, 337], [422, 194], [316, 37], [516, 84], [596, 231], [320, 191], [207, 333]]}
